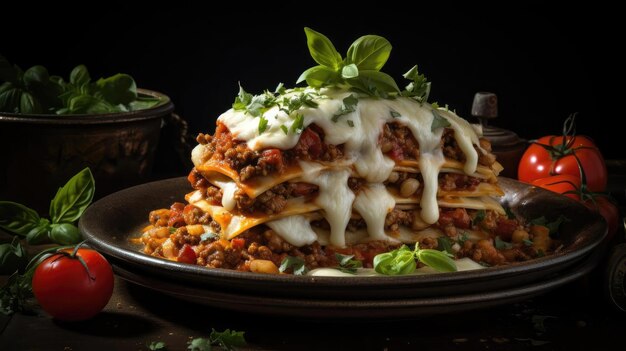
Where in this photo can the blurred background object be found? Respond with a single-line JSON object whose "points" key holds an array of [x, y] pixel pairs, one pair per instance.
{"points": [[506, 145]]}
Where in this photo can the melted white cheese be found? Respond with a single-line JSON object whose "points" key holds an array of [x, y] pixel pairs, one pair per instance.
{"points": [[296, 230], [334, 197], [373, 204], [228, 193], [359, 132]]}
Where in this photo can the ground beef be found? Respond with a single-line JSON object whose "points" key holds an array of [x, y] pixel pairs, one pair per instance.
{"points": [[454, 181], [248, 163], [271, 201]]}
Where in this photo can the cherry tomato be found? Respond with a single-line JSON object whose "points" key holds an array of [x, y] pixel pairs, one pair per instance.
{"points": [[67, 290], [608, 210], [560, 184], [537, 162]]}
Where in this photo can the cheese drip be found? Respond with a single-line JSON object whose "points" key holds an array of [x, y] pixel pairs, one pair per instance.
{"points": [[359, 132]]}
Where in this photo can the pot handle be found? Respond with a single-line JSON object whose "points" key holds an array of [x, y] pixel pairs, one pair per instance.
{"points": [[177, 131]]}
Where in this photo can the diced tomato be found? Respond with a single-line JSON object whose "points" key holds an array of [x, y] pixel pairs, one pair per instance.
{"points": [[187, 255], [176, 215], [272, 157], [188, 208], [238, 243], [505, 228], [310, 143]]}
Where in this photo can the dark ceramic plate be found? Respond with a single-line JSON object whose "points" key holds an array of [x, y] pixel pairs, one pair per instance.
{"points": [[110, 222], [338, 308]]}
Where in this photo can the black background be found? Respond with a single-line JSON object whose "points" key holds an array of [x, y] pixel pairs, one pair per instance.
{"points": [[544, 64]]}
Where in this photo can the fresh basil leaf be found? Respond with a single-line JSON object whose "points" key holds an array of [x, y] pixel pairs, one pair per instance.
{"points": [[40, 233], [369, 52], [143, 103], [347, 263], [419, 88], [438, 121], [156, 345], [295, 263], [437, 260], [298, 125], [208, 235], [36, 75], [348, 105], [374, 83], [396, 262], [199, 344], [322, 49], [479, 217], [17, 218], [242, 100], [87, 104], [65, 234], [13, 257], [80, 76], [350, 71], [73, 198], [280, 89], [445, 244], [553, 226], [28, 104], [228, 339], [319, 76], [10, 98], [501, 244], [119, 89], [462, 238], [262, 124], [256, 107]]}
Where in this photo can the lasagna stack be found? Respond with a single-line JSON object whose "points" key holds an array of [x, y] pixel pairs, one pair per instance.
{"points": [[338, 174]]}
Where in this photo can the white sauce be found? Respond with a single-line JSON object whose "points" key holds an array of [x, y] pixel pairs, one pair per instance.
{"points": [[335, 198], [295, 230], [364, 157], [228, 193], [373, 203]]}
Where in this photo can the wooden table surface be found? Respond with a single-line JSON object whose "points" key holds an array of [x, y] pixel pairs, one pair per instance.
{"points": [[574, 317]]}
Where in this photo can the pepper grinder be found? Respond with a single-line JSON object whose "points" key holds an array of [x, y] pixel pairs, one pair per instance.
{"points": [[505, 144]]}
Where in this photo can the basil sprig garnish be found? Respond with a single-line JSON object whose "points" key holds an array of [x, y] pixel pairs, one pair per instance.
{"points": [[68, 205], [360, 69], [402, 261]]}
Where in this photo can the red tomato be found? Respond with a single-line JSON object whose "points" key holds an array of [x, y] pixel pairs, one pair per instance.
{"points": [[187, 255], [68, 291], [238, 243], [560, 184], [608, 210], [537, 162], [309, 143]]}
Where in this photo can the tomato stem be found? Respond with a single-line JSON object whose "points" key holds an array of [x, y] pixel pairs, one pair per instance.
{"points": [[74, 256]]}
